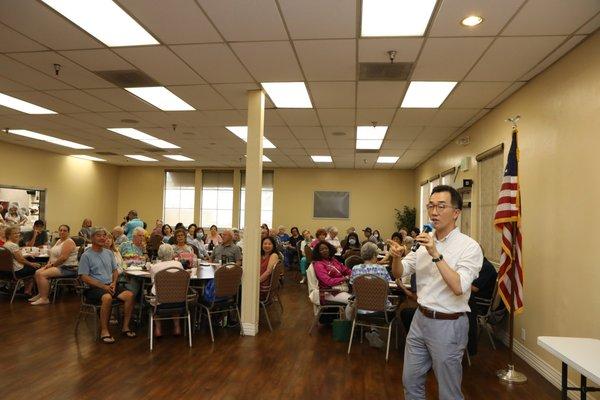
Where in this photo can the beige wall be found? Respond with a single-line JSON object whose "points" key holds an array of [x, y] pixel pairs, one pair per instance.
{"points": [[559, 140], [75, 188], [140, 189]]}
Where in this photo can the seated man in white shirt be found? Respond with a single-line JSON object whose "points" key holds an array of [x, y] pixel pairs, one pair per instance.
{"points": [[446, 263]]}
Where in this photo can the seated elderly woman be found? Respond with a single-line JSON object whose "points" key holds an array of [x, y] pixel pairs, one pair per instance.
{"points": [[23, 268], [351, 246], [183, 250], [268, 260], [86, 229], [13, 216], [62, 264], [333, 239], [165, 255], [331, 274], [320, 236], [118, 235], [134, 251]]}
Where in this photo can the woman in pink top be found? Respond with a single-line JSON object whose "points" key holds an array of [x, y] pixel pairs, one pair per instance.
{"points": [[213, 236], [331, 273], [320, 236]]}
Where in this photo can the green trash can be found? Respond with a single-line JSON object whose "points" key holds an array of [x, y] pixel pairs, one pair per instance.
{"points": [[341, 330]]}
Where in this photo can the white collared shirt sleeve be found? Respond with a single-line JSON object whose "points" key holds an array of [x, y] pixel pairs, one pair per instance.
{"points": [[469, 265], [409, 264]]}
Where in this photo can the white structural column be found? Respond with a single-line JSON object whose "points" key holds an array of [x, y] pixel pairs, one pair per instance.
{"points": [[254, 151]]}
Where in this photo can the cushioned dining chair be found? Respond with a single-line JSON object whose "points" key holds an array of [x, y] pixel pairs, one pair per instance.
{"points": [[91, 309], [320, 307], [272, 295], [7, 272]]}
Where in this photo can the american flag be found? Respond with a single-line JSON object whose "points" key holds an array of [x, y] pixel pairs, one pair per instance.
{"points": [[508, 221]]}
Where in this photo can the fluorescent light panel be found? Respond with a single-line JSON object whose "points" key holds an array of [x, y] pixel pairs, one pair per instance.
{"points": [[178, 157], [371, 132], [104, 20], [86, 157], [288, 94], [242, 133], [144, 137], [140, 157], [21, 105], [395, 17], [387, 160], [161, 97], [368, 144], [49, 139], [422, 94], [321, 159]]}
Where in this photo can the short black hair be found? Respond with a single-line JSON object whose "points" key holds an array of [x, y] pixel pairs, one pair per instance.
{"points": [[39, 222], [272, 240], [317, 254], [456, 198], [397, 235]]}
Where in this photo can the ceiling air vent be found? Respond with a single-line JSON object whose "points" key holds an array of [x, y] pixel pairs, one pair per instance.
{"points": [[367, 151], [106, 153], [384, 71], [127, 78]]}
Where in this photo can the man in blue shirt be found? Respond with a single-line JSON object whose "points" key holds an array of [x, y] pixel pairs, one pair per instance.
{"points": [[98, 269], [133, 223]]}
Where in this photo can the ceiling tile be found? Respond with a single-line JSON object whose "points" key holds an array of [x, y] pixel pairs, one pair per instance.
{"points": [[50, 28], [333, 94], [44, 100], [222, 118], [434, 133], [299, 117], [169, 71], [317, 19], [14, 41], [474, 94], [508, 58], [339, 146], [214, 62], [237, 94], [336, 117], [350, 132], [459, 55], [511, 89], [201, 97], [453, 117], [495, 15], [380, 94], [403, 133], [97, 60], [551, 59], [414, 116], [551, 17], [327, 60], [122, 99], [269, 61], [591, 26], [272, 118], [245, 20], [395, 145], [313, 143], [382, 116], [307, 132], [83, 99], [470, 122], [375, 49], [181, 21], [7, 85]]}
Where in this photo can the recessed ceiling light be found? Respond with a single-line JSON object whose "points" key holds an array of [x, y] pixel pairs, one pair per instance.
{"points": [[288, 94], [371, 132], [86, 157], [23, 106], [133, 133], [368, 144], [139, 157], [161, 97], [472, 20], [242, 133], [178, 157], [387, 160], [49, 139], [104, 20], [395, 18], [422, 94], [321, 159]]}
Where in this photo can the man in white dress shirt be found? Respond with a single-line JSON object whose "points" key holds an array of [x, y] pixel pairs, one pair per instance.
{"points": [[445, 264]]}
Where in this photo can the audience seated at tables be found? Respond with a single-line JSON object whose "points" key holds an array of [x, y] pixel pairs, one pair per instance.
{"points": [[165, 255], [118, 235], [98, 270], [167, 233], [368, 233], [408, 242], [86, 228], [197, 244], [213, 238], [268, 260], [23, 268], [134, 222], [227, 251], [111, 245], [351, 246], [134, 250], [307, 239], [180, 247], [37, 237], [333, 239], [237, 239], [191, 231], [348, 232], [61, 264], [282, 236], [157, 228], [331, 274], [13, 216], [290, 250], [397, 238], [377, 239], [320, 236], [481, 288], [200, 235]]}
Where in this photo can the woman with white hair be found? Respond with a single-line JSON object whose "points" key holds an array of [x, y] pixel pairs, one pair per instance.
{"points": [[333, 239], [13, 216], [166, 253]]}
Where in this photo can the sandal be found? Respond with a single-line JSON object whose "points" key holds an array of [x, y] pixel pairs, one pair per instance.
{"points": [[129, 334], [107, 339]]}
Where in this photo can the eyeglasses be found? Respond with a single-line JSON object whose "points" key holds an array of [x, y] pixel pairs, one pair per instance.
{"points": [[440, 207]]}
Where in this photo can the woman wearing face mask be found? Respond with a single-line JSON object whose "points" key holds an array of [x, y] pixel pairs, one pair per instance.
{"points": [[200, 235], [351, 246], [376, 238]]}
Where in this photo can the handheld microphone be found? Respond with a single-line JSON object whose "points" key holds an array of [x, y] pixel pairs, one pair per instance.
{"points": [[426, 229]]}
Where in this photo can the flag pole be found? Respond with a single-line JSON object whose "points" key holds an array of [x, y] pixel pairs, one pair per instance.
{"points": [[509, 375]]}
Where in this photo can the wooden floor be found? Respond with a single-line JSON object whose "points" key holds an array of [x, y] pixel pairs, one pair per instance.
{"points": [[40, 357]]}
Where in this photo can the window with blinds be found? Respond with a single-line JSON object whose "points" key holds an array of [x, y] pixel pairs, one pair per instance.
{"points": [[266, 203], [490, 171], [179, 195], [448, 177], [217, 198]]}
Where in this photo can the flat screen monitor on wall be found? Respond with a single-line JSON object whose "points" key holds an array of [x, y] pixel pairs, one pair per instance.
{"points": [[331, 205]]}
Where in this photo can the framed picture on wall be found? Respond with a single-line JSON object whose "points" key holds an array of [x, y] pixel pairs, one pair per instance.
{"points": [[331, 205]]}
